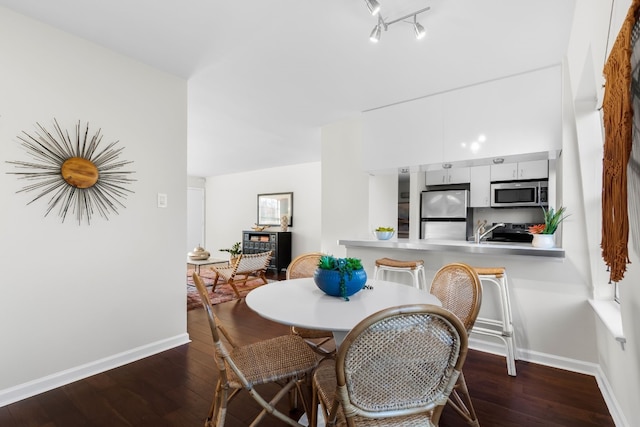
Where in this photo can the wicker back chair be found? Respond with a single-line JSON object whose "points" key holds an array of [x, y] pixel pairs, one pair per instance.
{"points": [[459, 289], [396, 367], [245, 268], [320, 341], [303, 265], [285, 360]]}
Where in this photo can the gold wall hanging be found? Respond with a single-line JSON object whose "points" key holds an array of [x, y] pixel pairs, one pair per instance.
{"points": [[76, 175]]}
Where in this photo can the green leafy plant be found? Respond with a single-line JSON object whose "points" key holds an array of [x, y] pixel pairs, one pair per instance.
{"points": [[234, 250], [552, 219], [345, 268], [385, 229]]}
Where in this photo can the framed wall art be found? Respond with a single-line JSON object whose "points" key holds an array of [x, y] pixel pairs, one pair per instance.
{"points": [[272, 207]]}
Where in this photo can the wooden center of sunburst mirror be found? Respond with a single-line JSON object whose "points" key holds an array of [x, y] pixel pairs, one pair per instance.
{"points": [[79, 172]]}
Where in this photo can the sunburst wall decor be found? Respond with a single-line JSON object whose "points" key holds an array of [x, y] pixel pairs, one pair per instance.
{"points": [[78, 176]]}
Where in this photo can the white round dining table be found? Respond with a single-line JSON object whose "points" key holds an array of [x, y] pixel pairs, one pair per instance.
{"points": [[299, 302]]}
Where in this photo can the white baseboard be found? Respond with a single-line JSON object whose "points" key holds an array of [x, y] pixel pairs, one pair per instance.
{"points": [[559, 362], [607, 393], [58, 379]]}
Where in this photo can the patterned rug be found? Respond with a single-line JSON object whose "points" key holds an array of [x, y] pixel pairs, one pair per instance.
{"points": [[223, 291]]}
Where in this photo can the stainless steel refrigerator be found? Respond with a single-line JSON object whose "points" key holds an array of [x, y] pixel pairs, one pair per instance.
{"points": [[445, 214]]}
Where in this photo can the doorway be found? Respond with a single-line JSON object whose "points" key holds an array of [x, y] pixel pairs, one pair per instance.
{"points": [[195, 218], [404, 185]]}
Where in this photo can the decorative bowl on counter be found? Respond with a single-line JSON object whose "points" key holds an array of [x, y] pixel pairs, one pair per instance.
{"points": [[199, 254], [384, 235]]}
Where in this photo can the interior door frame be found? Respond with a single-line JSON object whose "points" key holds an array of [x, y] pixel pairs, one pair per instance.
{"points": [[195, 218]]}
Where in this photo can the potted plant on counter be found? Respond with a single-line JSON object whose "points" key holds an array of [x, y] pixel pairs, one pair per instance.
{"points": [[543, 233], [234, 251], [341, 277]]}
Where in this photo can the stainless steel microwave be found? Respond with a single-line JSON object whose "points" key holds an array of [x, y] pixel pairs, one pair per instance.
{"points": [[519, 193]]}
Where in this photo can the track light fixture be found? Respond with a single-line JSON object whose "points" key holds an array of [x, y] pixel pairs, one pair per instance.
{"points": [[419, 30], [377, 30], [373, 6], [375, 34]]}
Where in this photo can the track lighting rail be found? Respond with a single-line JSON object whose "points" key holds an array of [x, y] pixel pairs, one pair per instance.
{"points": [[374, 8], [413, 14]]}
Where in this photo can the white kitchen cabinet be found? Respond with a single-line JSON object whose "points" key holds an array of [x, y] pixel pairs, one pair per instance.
{"points": [[535, 169], [447, 176], [510, 116], [480, 189], [401, 135]]}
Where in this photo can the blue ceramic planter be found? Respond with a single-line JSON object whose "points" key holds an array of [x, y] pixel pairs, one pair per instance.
{"points": [[329, 281]]}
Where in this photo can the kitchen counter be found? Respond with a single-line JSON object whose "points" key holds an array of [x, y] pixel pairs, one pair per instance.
{"points": [[460, 246]]}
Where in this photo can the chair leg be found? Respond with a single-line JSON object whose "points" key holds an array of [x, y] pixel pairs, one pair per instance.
{"points": [[460, 401], [313, 418], [218, 411], [269, 407], [263, 277], [215, 282], [235, 289]]}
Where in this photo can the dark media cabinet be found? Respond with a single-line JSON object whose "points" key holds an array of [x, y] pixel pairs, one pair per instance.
{"points": [[279, 242]]}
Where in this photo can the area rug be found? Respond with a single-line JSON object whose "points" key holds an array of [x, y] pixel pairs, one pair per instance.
{"points": [[223, 292]]}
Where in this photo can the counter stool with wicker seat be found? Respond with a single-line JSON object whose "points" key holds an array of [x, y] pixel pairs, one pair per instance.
{"points": [[414, 268], [503, 327]]}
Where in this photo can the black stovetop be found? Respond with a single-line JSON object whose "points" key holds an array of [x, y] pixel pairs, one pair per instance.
{"points": [[512, 232]]}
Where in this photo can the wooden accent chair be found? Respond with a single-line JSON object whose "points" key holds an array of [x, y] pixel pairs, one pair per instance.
{"points": [[396, 367], [245, 268], [285, 360], [459, 289], [305, 266]]}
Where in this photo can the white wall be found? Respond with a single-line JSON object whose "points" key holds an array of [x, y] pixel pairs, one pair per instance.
{"points": [[78, 299], [231, 205], [345, 187], [587, 53]]}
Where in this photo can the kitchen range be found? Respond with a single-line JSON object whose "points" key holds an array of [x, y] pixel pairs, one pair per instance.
{"points": [[510, 232]]}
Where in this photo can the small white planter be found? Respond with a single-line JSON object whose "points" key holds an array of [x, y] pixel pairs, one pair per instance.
{"points": [[543, 241]]}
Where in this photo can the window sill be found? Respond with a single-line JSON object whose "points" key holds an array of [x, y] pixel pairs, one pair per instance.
{"points": [[609, 313]]}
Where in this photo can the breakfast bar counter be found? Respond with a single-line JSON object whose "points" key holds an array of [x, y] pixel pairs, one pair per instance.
{"points": [[547, 291], [459, 246]]}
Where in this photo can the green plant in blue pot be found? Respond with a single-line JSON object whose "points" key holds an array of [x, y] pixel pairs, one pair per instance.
{"points": [[340, 277]]}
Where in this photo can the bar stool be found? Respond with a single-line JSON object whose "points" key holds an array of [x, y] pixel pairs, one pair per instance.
{"points": [[501, 328], [414, 268]]}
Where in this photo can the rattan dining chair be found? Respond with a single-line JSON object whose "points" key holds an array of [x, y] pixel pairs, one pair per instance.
{"points": [[245, 268], [459, 289], [320, 341], [397, 367], [285, 360]]}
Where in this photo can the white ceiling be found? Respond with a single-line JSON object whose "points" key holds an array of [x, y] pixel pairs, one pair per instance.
{"points": [[265, 76]]}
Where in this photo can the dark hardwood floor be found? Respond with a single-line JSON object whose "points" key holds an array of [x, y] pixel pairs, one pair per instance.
{"points": [[174, 388]]}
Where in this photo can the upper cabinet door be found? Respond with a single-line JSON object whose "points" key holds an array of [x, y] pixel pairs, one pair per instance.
{"points": [[504, 172], [537, 169], [458, 176], [514, 115], [480, 194], [405, 134], [436, 177]]}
